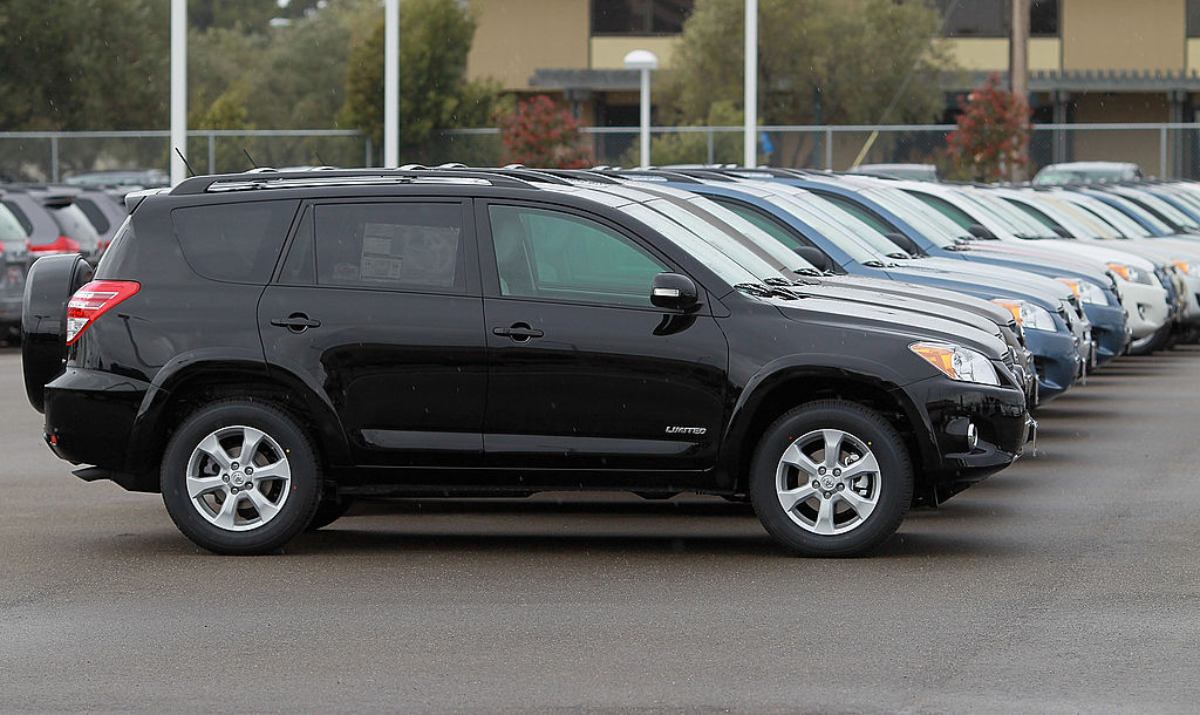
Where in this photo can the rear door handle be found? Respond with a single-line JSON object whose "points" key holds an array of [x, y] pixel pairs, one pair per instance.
{"points": [[296, 322], [520, 332]]}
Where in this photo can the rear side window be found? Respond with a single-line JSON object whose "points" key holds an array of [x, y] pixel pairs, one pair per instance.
{"points": [[398, 246], [237, 243], [11, 230], [94, 214], [20, 216], [74, 224]]}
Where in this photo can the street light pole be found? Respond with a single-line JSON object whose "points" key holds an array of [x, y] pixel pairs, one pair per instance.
{"points": [[391, 84], [750, 100], [178, 90], [645, 62]]}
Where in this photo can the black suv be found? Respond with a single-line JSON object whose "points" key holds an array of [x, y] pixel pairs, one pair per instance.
{"points": [[264, 348]]}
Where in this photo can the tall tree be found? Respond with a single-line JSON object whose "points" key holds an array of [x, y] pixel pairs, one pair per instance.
{"points": [[820, 62], [435, 38]]}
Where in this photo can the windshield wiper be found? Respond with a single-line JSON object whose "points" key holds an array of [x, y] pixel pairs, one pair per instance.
{"points": [[874, 264], [807, 272], [900, 256]]}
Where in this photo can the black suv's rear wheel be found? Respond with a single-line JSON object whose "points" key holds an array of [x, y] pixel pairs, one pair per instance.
{"points": [[831, 478], [240, 477]]}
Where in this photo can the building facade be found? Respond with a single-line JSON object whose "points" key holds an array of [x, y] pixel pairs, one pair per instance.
{"points": [[1091, 61]]}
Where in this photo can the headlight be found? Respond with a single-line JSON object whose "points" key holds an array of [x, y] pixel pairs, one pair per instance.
{"points": [[1132, 274], [1027, 315], [957, 362], [1187, 268], [1084, 291]]}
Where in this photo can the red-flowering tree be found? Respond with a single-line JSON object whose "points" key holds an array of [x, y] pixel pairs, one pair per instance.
{"points": [[992, 135], [540, 133]]}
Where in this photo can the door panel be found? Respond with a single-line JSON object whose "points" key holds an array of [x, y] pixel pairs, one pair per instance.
{"points": [[392, 331], [584, 373]]}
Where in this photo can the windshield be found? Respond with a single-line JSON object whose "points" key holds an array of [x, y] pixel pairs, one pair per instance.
{"points": [[1022, 223], [1132, 209], [933, 225], [744, 256], [839, 235], [760, 238], [726, 268], [1096, 228], [1173, 214], [1127, 226]]}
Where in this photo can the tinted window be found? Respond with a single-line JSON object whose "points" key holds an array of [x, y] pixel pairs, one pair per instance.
{"points": [[234, 242], [546, 254], [300, 268], [947, 209], [20, 216], [639, 17], [94, 214], [400, 246], [763, 222]]}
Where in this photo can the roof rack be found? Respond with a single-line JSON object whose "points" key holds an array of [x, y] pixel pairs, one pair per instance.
{"points": [[661, 174], [341, 177]]}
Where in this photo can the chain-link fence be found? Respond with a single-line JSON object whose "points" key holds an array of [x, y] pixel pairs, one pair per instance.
{"points": [[55, 156], [1162, 149]]}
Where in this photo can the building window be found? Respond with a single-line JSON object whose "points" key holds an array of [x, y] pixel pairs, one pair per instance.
{"points": [[974, 18], [1193, 18], [1043, 18], [639, 17], [990, 18]]}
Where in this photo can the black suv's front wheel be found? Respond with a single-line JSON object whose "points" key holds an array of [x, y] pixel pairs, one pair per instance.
{"points": [[831, 478], [240, 477]]}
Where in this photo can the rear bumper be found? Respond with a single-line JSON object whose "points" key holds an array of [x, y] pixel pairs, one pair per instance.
{"points": [[90, 417]]}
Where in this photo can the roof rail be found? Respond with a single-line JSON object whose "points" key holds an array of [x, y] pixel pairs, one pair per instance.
{"points": [[644, 174], [340, 177], [517, 171]]}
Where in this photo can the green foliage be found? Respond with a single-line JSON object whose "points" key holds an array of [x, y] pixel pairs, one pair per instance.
{"points": [[820, 61], [992, 133], [540, 133], [692, 147], [435, 38]]}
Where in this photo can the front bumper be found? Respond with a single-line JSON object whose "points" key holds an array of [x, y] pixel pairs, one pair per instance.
{"points": [[1147, 308], [1056, 359], [946, 408], [1109, 330]]}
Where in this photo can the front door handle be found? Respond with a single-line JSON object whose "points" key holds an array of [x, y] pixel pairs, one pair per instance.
{"points": [[519, 332], [296, 322]]}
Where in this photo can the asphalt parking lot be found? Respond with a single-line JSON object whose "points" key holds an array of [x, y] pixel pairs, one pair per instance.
{"points": [[1070, 582]]}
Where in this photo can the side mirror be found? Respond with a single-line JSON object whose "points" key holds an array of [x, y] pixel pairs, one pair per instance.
{"points": [[1062, 232], [979, 231], [904, 242], [814, 256], [673, 291]]}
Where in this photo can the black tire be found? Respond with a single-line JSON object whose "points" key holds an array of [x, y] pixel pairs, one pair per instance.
{"points": [[895, 484], [1156, 342], [297, 509], [331, 508]]}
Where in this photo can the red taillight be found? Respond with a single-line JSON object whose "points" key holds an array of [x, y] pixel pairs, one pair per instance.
{"points": [[93, 300], [62, 244]]}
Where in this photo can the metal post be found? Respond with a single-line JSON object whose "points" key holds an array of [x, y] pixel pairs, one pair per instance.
{"points": [[644, 134], [750, 100], [54, 159], [178, 89], [1162, 152], [828, 149], [212, 154], [712, 154], [1018, 73], [391, 84], [368, 152]]}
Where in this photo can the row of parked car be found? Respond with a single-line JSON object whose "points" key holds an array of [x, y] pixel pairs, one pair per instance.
{"points": [[831, 348], [44, 219]]}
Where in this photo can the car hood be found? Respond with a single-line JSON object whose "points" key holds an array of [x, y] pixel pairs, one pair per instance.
{"points": [[912, 302], [937, 296], [904, 324]]}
